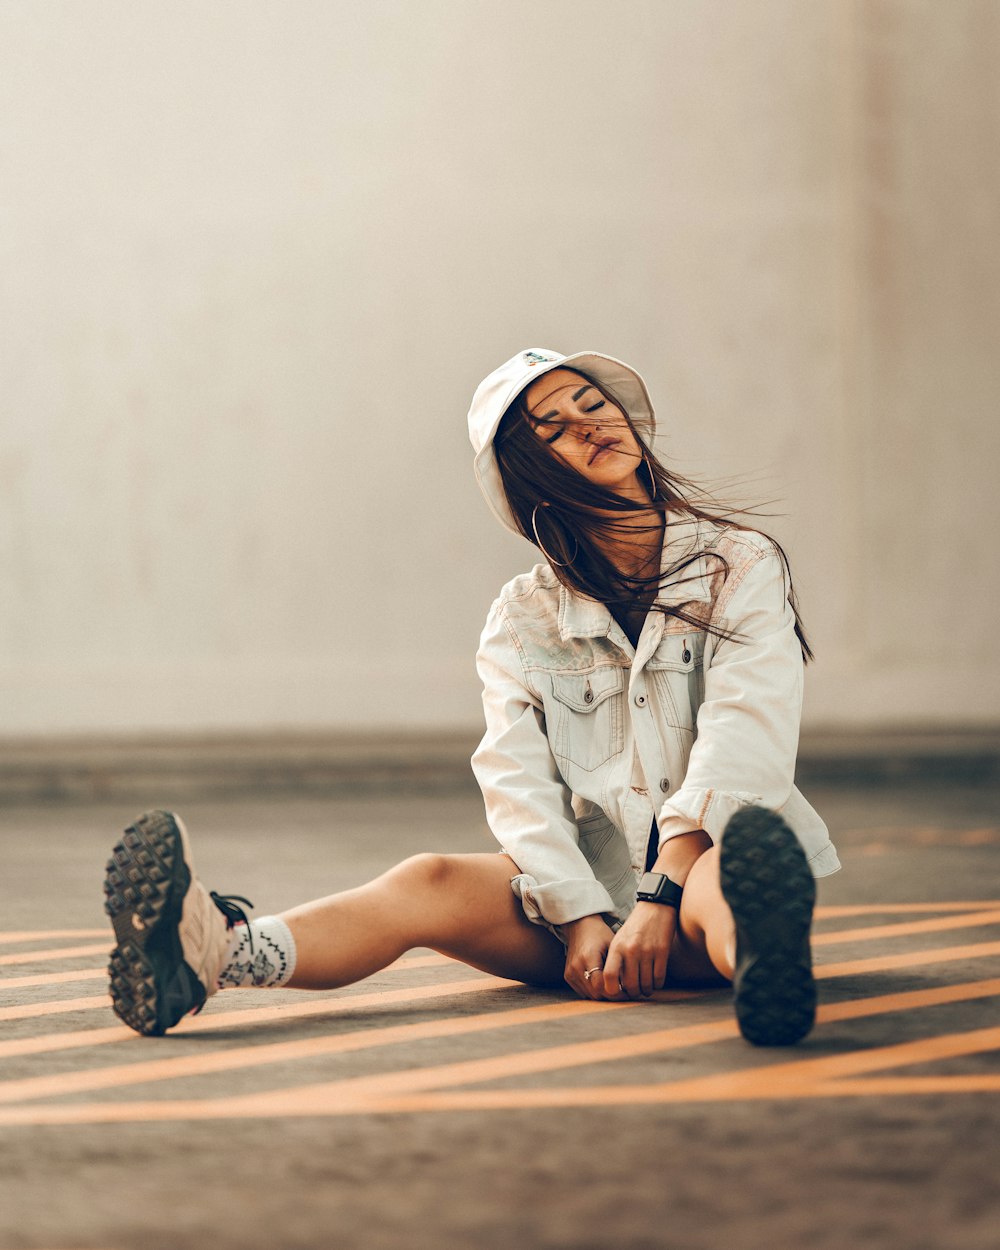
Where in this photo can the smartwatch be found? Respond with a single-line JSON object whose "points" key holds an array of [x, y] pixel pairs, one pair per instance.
{"points": [[654, 887]]}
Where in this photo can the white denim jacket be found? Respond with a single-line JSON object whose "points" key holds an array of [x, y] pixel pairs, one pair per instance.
{"points": [[588, 739]]}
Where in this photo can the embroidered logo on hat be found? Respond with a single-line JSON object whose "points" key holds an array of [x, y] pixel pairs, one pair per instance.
{"points": [[536, 358]]}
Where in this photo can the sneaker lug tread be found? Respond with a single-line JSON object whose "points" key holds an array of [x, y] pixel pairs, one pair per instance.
{"points": [[768, 885], [147, 879]]}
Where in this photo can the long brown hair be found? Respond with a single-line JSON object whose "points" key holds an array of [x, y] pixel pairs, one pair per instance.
{"points": [[572, 520]]}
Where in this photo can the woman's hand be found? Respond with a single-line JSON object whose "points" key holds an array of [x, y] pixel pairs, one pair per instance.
{"points": [[588, 940], [637, 957]]}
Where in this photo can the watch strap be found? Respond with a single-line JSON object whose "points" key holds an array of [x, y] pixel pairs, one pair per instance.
{"points": [[656, 887]]}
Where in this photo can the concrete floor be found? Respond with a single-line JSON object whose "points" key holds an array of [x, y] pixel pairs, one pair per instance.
{"points": [[634, 1127]]}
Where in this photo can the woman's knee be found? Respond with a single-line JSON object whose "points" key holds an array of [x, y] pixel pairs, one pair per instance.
{"points": [[428, 872]]}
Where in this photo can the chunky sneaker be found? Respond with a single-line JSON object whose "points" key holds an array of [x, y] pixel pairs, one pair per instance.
{"points": [[768, 885], [172, 934]]}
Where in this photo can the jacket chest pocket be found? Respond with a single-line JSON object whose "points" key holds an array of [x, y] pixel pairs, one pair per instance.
{"points": [[589, 717], [677, 670]]}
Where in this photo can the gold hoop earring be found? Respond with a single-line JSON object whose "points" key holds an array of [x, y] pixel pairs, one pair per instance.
{"points": [[559, 564]]}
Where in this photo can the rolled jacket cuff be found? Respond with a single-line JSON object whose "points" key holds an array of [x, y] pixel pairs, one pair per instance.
{"points": [[672, 826], [559, 902], [702, 809]]}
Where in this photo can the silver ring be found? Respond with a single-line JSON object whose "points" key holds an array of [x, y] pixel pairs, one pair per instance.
{"points": [[590, 972]]}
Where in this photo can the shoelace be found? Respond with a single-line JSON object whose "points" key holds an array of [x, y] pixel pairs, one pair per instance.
{"points": [[229, 905]]}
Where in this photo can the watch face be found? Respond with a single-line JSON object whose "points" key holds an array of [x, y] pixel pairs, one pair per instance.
{"points": [[657, 888]]}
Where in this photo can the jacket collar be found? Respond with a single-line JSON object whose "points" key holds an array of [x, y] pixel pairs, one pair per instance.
{"points": [[587, 618]]}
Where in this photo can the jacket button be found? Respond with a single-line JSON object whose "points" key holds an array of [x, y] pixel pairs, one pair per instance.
{"points": [[640, 700], [664, 784], [686, 657]]}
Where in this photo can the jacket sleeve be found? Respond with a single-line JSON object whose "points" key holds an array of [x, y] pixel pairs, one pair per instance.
{"points": [[748, 723], [527, 802]]}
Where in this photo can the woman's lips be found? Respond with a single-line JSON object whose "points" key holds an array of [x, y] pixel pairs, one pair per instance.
{"points": [[596, 454]]}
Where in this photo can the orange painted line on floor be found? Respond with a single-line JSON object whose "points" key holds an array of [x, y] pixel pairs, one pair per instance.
{"points": [[979, 837], [907, 1000], [836, 910], [48, 935], [237, 1058], [95, 974], [244, 1057], [351, 1090], [908, 928], [109, 1113], [215, 1020], [411, 1090], [53, 978], [876, 1086], [50, 1043], [802, 1078], [806, 1077], [907, 959], [643, 1095], [29, 1011], [578, 1054], [61, 952], [26, 1010], [357, 1089]]}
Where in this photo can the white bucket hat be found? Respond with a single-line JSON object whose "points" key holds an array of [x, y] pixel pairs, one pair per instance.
{"points": [[496, 393]]}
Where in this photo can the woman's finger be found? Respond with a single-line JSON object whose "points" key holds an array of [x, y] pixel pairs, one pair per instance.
{"points": [[629, 976], [659, 970], [646, 976], [611, 984], [591, 975], [583, 989], [578, 981], [589, 990]]}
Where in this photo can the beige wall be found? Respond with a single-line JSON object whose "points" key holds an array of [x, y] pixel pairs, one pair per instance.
{"points": [[256, 257]]}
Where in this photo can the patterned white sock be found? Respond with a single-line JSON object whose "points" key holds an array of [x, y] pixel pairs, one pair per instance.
{"points": [[261, 953]]}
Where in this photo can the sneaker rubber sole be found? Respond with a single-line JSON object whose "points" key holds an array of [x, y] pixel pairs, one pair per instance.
{"points": [[148, 877], [771, 892]]}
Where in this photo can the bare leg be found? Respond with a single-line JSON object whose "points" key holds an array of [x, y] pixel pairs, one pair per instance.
{"points": [[460, 905], [704, 949]]}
